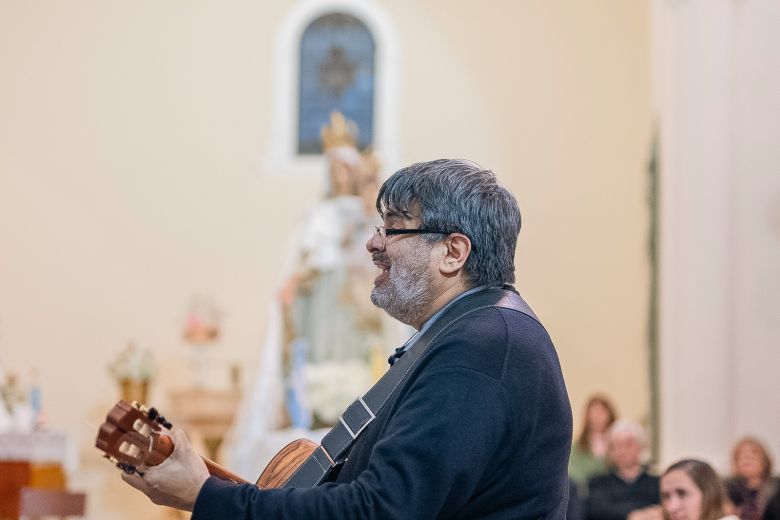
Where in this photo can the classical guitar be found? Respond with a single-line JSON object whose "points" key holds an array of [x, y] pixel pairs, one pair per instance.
{"points": [[133, 438]]}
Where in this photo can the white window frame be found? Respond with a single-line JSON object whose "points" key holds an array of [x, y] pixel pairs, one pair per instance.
{"points": [[282, 156]]}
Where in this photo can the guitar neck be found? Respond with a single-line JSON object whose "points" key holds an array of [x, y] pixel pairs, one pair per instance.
{"points": [[220, 472], [131, 437], [163, 447]]}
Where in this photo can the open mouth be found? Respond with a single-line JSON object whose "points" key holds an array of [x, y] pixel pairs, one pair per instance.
{"points": [[383, 276], [384, 266]]}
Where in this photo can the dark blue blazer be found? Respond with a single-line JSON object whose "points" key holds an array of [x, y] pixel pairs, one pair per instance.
{"points": [[481, 429]]}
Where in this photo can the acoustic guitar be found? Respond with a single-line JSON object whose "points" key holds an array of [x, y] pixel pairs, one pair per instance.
{"points": [[133, 438]]}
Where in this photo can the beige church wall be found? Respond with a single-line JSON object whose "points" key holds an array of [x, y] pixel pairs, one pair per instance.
{"points": [[132, 175], [558, 105]]}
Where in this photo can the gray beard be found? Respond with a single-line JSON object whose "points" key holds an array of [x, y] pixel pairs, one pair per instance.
{"points": [[406, 295]]}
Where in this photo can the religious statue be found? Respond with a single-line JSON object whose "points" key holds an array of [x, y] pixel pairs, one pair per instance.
{"points": [[330, 329], [325, 340]]}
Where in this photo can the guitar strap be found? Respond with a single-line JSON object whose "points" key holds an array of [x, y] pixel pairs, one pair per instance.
{"points": [[336, 444]]}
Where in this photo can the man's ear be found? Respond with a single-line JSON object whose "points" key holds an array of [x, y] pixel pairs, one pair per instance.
{"points": [[458, 250]]}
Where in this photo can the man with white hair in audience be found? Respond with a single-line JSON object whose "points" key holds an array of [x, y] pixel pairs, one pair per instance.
{"points": [[627, 491]]}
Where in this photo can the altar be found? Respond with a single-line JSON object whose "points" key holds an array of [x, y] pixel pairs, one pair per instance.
{"points": [[32, 460]]}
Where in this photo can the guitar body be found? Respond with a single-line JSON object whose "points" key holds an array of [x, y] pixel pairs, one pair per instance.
{"points": [[132, 437], [285, 463]]}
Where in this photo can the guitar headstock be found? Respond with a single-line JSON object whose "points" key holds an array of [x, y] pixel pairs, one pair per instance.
{"points": [[132, 437]]}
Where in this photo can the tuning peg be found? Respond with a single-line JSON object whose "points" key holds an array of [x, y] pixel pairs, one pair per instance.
{"points": [[129, 469], [154, 415]]}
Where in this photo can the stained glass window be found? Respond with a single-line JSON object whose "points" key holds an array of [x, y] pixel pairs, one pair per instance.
{"points": [[337, 73]]}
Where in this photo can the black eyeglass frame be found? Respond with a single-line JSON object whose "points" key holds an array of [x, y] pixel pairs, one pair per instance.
{"points": [[386, 232]]}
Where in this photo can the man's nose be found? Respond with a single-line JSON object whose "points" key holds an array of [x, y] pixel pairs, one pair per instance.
{"points": [[374, 243]]}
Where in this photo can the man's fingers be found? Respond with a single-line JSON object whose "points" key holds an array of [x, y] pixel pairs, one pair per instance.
{"points": [[143, 486], [182, 450], [179, 437], [176, 481], [135, 480]]}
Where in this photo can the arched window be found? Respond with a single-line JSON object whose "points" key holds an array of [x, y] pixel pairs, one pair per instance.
{"points": [[378, 115], [337, 72]]}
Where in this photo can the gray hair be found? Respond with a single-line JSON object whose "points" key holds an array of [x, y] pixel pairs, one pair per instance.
{"points": [[627, 427], [459, 196]]}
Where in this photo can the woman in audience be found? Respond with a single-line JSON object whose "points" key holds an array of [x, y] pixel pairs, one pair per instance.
{"points": [[752, 485], [691, 490], [588, 455]]}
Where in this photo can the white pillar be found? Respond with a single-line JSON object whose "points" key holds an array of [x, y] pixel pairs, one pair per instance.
{"points": [[720, 257]]}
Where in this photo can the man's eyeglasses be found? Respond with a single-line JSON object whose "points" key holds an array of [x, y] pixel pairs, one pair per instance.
{"points": [[383, 232]]}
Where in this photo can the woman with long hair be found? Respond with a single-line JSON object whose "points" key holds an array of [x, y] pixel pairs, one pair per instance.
{"points": [[751, 485], [588, 455], [691, 490]]}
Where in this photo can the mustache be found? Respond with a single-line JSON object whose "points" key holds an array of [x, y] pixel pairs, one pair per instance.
{"points": [[380, 258]]}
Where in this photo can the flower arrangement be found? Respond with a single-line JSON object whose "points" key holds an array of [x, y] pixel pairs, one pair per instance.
{"points": [[202, 324], [133, 363], [133, 369], [333, 385]]}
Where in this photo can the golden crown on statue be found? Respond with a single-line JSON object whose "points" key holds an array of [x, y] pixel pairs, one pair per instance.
{"points": [[340, 132]]}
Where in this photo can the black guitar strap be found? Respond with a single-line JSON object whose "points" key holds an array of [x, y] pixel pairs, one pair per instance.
{"points": [[337, 443]]}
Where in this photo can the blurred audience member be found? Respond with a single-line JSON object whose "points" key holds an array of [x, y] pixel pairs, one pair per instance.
{"points": [[691, 490], [628, 491], [589, 453], [752, 485], [772, 511], [574, 507]]}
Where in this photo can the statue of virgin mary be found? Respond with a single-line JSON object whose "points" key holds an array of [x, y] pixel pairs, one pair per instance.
{"points": [[325, 340]]}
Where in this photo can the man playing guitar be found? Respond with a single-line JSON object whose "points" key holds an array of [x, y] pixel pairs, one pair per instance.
{"points": [[475, 422]]}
